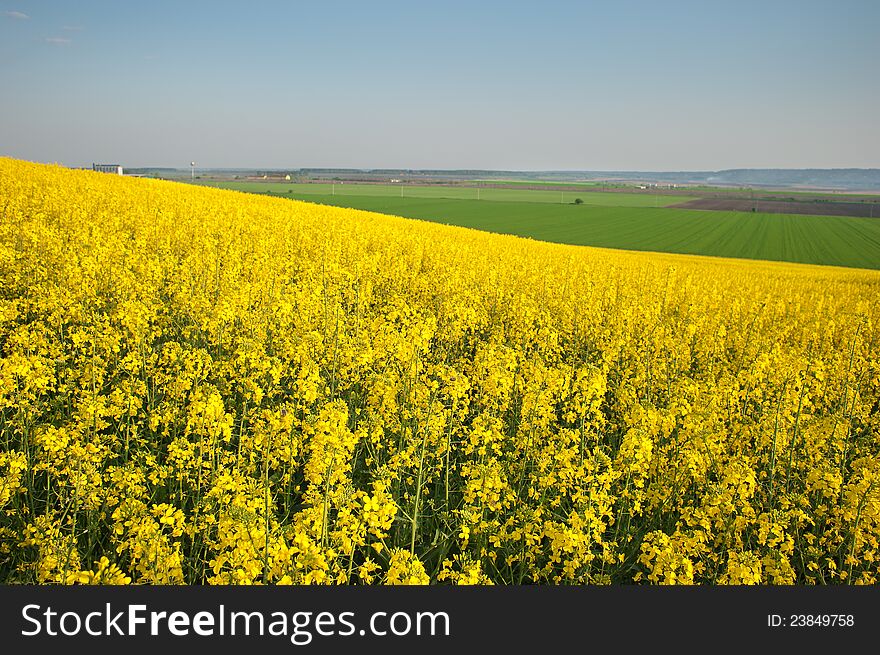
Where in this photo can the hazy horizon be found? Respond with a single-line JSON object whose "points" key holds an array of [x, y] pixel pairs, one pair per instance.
{"points": [[479, 170], [640, 86]]}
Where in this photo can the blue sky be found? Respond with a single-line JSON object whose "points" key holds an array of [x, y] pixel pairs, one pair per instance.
{"points": [[624, 85]]}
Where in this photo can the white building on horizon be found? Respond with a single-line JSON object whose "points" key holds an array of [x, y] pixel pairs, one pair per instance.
{"points": [[107, 168]]}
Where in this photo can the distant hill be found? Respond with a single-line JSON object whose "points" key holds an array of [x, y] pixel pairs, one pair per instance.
{"points": [[845, 179], [836, 179], [152, 171], [822, 179]]}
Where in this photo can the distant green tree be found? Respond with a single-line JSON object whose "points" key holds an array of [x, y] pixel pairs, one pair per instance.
{"points": [[578, 201]]}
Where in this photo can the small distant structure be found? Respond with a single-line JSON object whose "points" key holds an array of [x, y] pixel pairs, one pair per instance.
{"points": [[116, 169], [287, 177], [393, 180]]}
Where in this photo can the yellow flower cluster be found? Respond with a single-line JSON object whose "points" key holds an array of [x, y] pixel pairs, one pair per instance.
{"points": [[205, 387]]}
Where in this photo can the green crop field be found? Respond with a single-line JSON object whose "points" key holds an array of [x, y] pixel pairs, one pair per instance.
{"points": [[541, 183], [831, 240], [454, 192]]}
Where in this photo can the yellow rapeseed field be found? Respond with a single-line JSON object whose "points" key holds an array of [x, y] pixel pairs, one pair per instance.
{"points": [[205, 387]]}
